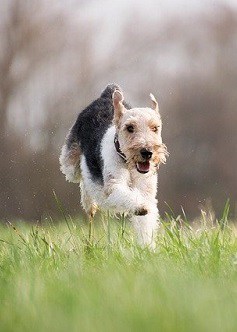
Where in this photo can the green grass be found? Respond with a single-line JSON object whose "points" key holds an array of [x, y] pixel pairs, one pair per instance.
{"points": [[52, 279]]}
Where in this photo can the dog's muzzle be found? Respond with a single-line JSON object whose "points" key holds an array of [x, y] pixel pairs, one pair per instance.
{"points": [[146, 154], [144, 166]]}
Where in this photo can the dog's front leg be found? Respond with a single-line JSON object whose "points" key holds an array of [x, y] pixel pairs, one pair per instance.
{"points": [[146, 227], [121, 198]]}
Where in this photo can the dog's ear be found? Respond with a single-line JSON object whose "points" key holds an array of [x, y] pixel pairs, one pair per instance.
{"points": [[119, 108], [155, 105]]}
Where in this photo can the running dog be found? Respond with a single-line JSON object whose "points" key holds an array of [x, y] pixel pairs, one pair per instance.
{"points": [[114, 152]]}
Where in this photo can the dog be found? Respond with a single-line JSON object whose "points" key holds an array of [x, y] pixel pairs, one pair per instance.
{"points": [[114, 152]]}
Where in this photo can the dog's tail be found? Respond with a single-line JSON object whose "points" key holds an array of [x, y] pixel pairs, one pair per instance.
{"points": [[109, 90]]}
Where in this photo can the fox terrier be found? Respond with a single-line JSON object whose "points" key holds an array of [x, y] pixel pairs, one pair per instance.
{"points": [[114, 152]]}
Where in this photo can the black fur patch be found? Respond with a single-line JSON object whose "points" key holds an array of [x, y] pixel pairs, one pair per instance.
{"points": [[90, 127]]}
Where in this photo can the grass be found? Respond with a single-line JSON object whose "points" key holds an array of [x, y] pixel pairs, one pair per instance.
{"points": [[53, 279]]}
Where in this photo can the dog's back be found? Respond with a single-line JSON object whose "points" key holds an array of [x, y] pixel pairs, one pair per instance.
{"points": [[85, 137]]}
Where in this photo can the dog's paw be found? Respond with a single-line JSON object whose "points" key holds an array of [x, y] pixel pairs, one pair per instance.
{"points": [[142, 211]]}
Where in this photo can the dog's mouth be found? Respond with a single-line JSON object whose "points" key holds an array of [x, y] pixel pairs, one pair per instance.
{"points": [[143, 167]]}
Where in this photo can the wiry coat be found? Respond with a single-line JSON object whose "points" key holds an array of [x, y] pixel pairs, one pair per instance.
{"points": [[89, 156]]}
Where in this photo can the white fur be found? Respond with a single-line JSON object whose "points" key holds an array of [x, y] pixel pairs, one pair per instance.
{"points": [[123, 191]]}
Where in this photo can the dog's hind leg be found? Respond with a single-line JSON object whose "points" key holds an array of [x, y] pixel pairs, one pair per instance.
{"points": [[90, 208], [70, 161]]}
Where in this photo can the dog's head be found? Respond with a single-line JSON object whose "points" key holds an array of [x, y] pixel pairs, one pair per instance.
{"points": [[139, 134]]}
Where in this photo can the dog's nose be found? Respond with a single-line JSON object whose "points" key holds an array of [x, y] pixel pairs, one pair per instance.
{"points": [[146, 154]]}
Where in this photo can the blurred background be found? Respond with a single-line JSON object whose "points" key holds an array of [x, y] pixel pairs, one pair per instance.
{"points": [[57, 56]]}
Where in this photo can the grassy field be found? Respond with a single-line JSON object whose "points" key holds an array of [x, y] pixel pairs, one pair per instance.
{"points": [[52, 279]]}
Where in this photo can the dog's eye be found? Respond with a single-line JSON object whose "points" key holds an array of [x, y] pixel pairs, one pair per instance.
{"points": [[130, 129], [155, 129]]}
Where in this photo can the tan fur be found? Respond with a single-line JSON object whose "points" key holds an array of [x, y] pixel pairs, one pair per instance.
{"points": [[70, 162], [154, 103], [144, 122], [75, 155], [119, 109]]}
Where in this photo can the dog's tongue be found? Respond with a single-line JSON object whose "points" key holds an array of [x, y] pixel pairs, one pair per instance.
{"points": [[143, 167]]}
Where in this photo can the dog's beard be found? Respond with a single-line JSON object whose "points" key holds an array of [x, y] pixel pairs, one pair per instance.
{"points": [[141, 165], [134, 160], [161, 155]]}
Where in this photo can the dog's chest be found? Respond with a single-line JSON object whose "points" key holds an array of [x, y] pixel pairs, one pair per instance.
{"points": [[145, 183]]}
